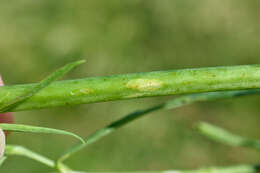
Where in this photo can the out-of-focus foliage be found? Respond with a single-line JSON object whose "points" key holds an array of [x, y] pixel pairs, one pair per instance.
{"points": [[115, 37]]}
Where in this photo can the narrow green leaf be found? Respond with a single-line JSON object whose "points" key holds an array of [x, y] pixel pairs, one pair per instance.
{"points": [[223, 136], [22, 151], [228, 169], [2, 160], [65, 169], [174, 103], [7, 107], [35, 129]]}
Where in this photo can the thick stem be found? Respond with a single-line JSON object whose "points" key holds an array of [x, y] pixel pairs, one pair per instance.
{"points": [[136, 85]]}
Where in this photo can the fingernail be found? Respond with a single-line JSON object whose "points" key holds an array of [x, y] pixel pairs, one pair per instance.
{"points": [[2, 143]]}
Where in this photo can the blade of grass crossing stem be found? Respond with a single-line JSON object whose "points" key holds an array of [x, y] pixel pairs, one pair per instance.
{"points": [[223, 136], [65, 169], [35, 129], [2, 160], [174, 103], [44, 83], [22, 151]]}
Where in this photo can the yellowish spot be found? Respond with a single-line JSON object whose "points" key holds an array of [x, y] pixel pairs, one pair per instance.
{"points": [[82, 91], [144, 84], [134, 95], [86, 90]]}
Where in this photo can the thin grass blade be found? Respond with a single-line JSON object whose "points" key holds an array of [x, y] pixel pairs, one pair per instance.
{"points": [[174, 103], [36, 129], [223, 136], [65, 169], [44, 83], [17, 150], [2, 160], [228, 169]]}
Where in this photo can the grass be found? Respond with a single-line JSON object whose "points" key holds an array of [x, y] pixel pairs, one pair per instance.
{"points": [[135, 85], [219, 81]]}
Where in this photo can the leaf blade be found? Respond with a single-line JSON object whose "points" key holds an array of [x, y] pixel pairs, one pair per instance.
{"points": [[223, 136], [22, 151], [7, 107], [36, 129], [171, 104], [2, 160]]}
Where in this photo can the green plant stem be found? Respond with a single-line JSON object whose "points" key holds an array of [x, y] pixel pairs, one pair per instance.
{"points": [[36, 129], [223, 136], [174, 103], [19, 99], [2, 160], [62, 168], [232, 169], [11, 150], [136, 85]]}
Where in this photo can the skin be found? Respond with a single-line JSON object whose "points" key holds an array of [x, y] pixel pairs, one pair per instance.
{"points": [[5, 117], [2, 143]]}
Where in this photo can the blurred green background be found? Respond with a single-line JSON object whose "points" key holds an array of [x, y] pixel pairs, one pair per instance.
{"points": [[115, 36]]}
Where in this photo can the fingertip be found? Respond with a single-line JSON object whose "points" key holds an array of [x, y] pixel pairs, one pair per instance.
{"points": [[2, 143], [1, 81]]}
